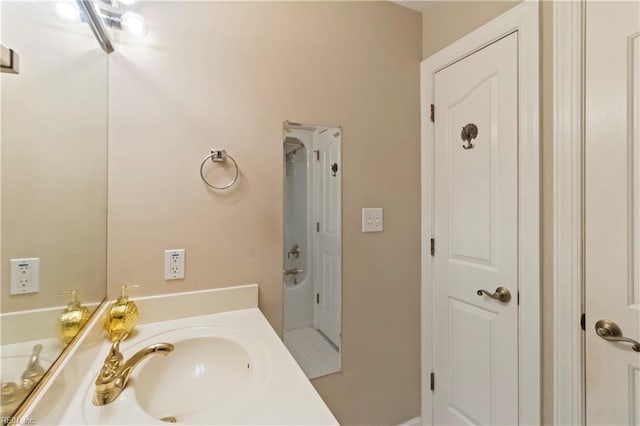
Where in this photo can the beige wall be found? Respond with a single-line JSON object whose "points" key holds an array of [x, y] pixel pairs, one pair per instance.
{"points": [[443, 23], [226, 75], [54, 149]]}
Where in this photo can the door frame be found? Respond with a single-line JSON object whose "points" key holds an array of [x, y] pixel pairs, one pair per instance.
{"points": [[568, 215], [524, 19]]}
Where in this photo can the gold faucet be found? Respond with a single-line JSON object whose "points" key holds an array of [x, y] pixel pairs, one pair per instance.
{"points": [[12, 393], [114, 374]]}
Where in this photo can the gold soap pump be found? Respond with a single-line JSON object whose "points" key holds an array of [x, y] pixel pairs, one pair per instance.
{"points": [[122, 316], [72, 318]]}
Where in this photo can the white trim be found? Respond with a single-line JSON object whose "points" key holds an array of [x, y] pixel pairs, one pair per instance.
{"points": [[568, 137], [416, 421], [524, 19]]}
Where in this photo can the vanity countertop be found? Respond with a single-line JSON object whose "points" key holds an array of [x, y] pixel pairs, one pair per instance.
{"points": [[283, 395]]}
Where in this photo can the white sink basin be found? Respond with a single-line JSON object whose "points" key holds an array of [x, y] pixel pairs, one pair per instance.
{"points": [[211, 377], [201, 376]]}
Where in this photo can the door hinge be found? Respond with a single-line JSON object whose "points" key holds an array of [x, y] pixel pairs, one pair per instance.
{"points": [[433, 247], [317, 226], [433, 382], [583, 320], [518, 297], [317, 298], [432, 113], [317, 151]]}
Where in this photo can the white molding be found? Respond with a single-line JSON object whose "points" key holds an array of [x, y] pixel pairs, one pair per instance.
{"points": [[416, 421], [523, 18], [568, 142]]}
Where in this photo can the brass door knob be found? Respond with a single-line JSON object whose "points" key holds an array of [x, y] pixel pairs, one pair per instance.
{"points": [[502, 294], [610, 331]]}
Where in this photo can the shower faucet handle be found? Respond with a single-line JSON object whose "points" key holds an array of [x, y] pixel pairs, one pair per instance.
{"points": [[295, 252]]}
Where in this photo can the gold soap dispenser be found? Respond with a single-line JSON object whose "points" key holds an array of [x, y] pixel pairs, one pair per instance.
{"points": [[72, 318], [122, 316]]}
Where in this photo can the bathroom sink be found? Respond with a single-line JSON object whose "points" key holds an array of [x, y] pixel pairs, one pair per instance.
{"points": [[201, 376], [211, 377]]}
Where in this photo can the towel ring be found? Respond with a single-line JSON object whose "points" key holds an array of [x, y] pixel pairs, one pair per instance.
{"points": [[219, 156]]}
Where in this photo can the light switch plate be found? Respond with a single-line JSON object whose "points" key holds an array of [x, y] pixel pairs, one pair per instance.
{"points": [[372, 219], [25, 275], [174, 264]]}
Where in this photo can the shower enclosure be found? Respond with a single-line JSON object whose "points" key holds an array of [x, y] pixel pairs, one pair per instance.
{"points": [[312, 258]]}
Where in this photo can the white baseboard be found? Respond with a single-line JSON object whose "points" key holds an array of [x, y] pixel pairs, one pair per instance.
{"points": [[416, 421]]}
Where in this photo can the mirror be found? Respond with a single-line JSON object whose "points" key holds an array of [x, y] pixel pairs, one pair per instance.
{"points": [[53, 187], [312, 258]]}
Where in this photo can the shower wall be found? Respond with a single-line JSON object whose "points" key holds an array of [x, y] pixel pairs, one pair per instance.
{"points": [[298, 294]]}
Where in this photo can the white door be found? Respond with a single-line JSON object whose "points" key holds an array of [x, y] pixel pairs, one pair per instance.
{"points": [[327, 265], [476, 238], [612, 210]]}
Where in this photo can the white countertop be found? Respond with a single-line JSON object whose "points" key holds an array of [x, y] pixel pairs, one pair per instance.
{"points": [[285, 395]]}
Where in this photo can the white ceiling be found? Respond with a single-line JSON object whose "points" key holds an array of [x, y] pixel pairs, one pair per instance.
{"points": [[419, 5]]}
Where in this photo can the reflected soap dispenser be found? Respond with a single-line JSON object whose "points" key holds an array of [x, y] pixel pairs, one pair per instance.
{"points": [[122, 316], [72, 318]]}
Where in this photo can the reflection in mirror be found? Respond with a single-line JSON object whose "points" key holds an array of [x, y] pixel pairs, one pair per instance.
{"points": [[53, 188], [312, 258]]}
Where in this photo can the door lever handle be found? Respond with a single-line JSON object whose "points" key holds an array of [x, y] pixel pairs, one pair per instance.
{"points": [[610, 331], [502, 294]]}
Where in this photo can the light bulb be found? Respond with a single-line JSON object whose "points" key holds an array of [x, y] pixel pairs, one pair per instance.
{"points": [[69, 11], [134, 24]]}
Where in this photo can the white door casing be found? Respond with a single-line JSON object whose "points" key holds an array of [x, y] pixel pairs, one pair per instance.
{"points": [[523, 20], [612, 209], [476, 234], [326, 238]]}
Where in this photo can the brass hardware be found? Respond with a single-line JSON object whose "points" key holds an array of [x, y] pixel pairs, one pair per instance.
{"points": [[433, 247], [169, 419], [469, 133], [502, 294], [610, 331], [334, 169], [114, 374], [432, 381], [432, 113]]}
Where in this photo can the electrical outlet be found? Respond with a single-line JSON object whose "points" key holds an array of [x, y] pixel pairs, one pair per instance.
{"points": [[25, 275], [372, 220], [174, 264]]}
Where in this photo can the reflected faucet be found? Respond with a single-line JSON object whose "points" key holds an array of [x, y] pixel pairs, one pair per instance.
{"points": [[114, 375], [13, 394]]}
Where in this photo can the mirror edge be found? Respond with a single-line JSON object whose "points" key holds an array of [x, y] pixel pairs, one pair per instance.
{"points": [[53, 369]]}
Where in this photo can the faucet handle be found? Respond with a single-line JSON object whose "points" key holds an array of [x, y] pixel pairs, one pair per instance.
{"points": [[114, 357], [34, 371]]}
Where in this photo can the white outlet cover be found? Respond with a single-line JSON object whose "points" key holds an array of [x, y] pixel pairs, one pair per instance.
{"points": [[25, 275], [372, 219], [174, 264]]}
